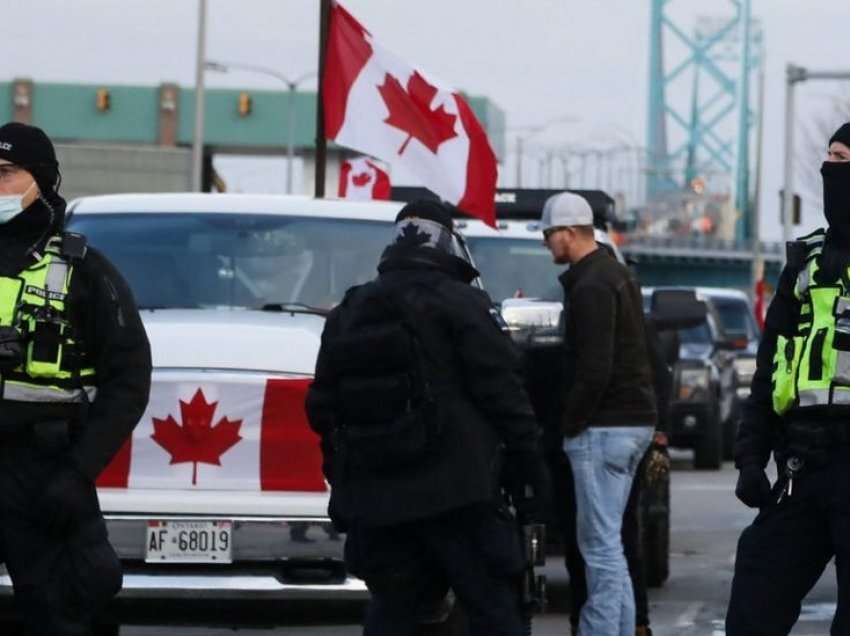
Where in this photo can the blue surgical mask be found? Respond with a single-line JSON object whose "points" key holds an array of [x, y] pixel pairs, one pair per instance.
{"points": [[11, 205]]}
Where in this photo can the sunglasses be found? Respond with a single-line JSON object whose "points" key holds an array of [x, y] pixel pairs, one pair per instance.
{"points": [[549, 231]]}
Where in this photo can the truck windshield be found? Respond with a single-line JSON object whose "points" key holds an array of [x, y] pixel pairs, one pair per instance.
{"points": [[515, 268], [176, 260]]}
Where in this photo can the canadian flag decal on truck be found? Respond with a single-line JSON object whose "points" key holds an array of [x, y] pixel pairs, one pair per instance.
{"points": [[234, 434]]}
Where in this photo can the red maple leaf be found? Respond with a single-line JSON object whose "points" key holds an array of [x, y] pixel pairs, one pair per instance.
{"points": [[410, 111], [197, 440], [361, 179]]}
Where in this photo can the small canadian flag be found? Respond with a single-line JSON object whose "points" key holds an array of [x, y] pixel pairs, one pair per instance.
{"points": [[362, 178], [377, 103]]}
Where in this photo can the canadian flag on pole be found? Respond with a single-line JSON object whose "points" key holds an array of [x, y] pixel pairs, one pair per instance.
{"points": [[361, 178], [378, 104]]}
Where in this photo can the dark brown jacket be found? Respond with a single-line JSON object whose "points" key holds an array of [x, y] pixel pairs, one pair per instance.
{"points": [[606, 340]]}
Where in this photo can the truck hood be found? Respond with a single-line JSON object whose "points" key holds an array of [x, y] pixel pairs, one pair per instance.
{"points": [[234, 340]]}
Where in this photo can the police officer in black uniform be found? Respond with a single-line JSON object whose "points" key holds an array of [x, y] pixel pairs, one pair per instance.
{"points": [[74, 380], [799, 408], [419, 497]]}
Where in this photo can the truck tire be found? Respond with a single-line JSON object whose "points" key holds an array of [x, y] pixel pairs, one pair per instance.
{"points": [[730, 431], [656, 535], [708, 451], [106, 629]]}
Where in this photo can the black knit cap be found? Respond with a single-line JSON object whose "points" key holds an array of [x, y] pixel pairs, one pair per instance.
{"points": [[29, 147], [427, 209], [842, 135]]}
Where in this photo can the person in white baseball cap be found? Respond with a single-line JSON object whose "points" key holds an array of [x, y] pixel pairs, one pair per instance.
{"points": [[609, 413], [567, 225]]}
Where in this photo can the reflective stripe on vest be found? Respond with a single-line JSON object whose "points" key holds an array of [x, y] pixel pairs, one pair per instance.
{"points": [[21, 392], [812, 368], [34, 302]]}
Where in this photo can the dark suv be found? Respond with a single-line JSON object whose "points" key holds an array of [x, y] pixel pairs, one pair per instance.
{"points": [[705, 405]]}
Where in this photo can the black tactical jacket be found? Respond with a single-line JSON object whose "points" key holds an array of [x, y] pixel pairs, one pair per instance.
{"points": [[475, 369], [101, 305]]}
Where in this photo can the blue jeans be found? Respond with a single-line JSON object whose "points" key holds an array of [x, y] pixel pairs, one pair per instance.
{"points": [[604, 461]]}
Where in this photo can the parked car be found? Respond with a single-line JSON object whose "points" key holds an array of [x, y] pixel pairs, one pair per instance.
{"points": [[705, 403], [738, 322]]}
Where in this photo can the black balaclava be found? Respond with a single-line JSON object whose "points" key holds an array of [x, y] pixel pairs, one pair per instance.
{"points": [[30, 148], [836, 192]]}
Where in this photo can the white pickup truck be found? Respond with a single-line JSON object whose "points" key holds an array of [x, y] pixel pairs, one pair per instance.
{"points": [[219, 494]]}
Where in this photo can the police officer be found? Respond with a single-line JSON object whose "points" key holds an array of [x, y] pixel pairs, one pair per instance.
{"points": [[415, 464], [799, 407], [75, 369]]}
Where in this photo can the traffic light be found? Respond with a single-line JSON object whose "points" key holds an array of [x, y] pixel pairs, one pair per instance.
{"points": [[245, 104], [102, 100]]}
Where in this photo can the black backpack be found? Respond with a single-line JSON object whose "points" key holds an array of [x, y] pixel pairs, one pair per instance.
{"points": [[387, 417]]}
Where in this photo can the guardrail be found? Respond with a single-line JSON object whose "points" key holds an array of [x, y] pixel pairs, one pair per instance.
{"points": [[700, 247]]}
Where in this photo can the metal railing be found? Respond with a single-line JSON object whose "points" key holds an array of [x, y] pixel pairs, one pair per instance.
{"points": [[701, 247]]}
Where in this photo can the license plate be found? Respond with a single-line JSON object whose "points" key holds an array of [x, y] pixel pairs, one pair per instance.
{"points": [[189, 542]]}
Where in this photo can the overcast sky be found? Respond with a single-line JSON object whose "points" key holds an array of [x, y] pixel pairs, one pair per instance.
{"points": [[537, 59]]}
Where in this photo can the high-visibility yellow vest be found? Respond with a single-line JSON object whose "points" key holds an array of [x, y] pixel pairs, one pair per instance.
{"points": [[812, 366], [34, 301]]}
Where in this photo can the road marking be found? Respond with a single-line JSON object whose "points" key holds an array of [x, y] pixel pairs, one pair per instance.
{"points": [[817, 612], [689, 616]]}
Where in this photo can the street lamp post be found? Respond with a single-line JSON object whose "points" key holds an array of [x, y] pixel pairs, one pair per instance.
{"points": [[793, 76], [530, 131], [292, 87], [198, 135]]}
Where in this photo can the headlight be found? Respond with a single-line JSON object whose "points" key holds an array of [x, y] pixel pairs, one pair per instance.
{"points": [[693, 384], [745, 368]]}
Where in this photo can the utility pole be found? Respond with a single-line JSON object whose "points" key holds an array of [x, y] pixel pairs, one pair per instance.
{"points": [[198, 136], [755, 221], [794, 75], [321, 142]]}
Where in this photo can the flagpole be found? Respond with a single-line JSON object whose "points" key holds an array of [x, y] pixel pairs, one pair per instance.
{"points": [[321, 142]]}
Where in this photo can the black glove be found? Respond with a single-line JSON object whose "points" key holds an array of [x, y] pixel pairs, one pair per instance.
{"points": [[526, 480], [68, 500], [753, 487]]}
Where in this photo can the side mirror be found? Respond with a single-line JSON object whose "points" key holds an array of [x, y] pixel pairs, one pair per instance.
{"points": [[673, 309]]}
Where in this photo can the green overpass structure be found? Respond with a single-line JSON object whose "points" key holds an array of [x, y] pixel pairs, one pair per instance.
{"points": [[164, 115], [701, 262]]}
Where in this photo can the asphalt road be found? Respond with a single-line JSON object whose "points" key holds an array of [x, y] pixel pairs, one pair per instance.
{"points": [[706, 522]]}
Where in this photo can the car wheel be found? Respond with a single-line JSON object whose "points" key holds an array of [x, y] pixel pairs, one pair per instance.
{"points": [[656, 534], [708, 452]]}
